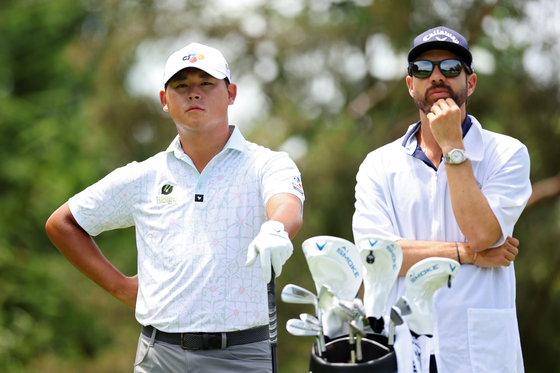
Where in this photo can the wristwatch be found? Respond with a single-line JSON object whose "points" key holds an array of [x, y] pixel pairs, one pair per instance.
{"points": [[455, 156]]}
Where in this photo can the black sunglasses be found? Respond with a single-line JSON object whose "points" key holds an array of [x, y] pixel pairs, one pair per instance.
{"points": [[449, 68]]}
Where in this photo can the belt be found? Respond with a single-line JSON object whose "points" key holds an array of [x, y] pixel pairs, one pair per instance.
{"points": [[205, 341]]}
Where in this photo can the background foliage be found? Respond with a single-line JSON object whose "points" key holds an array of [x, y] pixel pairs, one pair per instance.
{"points": [[321, 79]]}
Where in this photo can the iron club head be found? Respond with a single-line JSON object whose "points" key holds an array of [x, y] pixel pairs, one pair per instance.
{"points": [[301, 329], [296, 294]]}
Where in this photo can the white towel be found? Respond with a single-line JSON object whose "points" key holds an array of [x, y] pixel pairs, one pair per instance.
{"points": [[408, 350]]}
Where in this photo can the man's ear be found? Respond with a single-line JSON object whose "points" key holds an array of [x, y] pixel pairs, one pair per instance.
{"points": [[163, 100], [409, 85], [471, 83], [232, 93]]}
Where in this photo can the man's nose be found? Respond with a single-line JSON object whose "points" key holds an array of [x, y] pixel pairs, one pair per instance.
{"points": [[194, 95], [436, 74]]}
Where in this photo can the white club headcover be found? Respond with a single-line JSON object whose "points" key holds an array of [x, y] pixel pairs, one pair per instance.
{"points": [[382, 260], [422, 280], [335, 263]]}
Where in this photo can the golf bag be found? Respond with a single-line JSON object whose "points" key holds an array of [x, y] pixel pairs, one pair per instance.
{"points": [[377, 356], [362, 336]]}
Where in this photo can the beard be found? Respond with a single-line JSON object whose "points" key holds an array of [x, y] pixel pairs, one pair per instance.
{"points": [[425, 103]]}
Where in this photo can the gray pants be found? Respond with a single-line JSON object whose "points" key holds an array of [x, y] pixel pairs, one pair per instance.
{"points": [[159, 357]]}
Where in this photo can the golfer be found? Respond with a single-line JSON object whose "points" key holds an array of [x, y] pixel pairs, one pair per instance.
{"points": [[449, 188], [204, 210]]}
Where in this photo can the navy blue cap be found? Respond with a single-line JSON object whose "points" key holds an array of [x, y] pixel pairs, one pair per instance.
{"points": [[441, 38]]}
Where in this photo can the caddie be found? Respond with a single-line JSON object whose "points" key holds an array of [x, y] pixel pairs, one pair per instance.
{"points": [[204, 211], [449, 188]]}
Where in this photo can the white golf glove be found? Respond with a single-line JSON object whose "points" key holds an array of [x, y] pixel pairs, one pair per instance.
{"points": [[274, 246]]}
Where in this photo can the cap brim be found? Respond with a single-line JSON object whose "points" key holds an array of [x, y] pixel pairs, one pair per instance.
{"points": [[460, 51], [216, 74]]}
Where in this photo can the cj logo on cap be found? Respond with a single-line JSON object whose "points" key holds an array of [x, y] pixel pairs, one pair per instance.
{"points": [[192, 56]]}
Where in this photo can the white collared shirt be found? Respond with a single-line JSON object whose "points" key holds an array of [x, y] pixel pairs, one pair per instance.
{"points": [[193, 230], [398, 196]]}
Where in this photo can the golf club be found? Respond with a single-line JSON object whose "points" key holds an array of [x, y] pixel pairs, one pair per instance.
{"points": [[272, 320], [404, 305], [346, 314], [396, 320], [382, 260], [300, 329], [315, 324], [325, 299], [298, 295], [358, 325], [422, 280]]}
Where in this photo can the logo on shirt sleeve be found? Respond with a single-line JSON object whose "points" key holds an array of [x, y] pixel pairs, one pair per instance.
{"points": [[296, 183], [165, 197]]}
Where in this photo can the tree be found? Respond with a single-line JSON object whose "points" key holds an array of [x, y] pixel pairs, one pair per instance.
{"points": [[327, 78]]}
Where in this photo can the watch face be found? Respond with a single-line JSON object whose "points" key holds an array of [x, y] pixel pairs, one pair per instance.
{"points": [[456, 157]]}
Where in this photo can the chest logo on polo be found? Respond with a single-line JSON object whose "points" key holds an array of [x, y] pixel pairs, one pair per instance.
{"points": [[165, 197], [166, 189]]}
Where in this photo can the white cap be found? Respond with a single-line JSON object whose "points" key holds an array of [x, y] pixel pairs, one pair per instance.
{"points": [[335, 263], [202, 57]]}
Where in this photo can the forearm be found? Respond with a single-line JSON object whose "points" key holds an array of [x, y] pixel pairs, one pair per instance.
{"points": [[471, 209], [287, 209], [79, 248], [415, 251]]}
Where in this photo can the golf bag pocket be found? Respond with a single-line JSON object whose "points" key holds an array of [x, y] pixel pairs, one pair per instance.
{"points": [[493, 340]]}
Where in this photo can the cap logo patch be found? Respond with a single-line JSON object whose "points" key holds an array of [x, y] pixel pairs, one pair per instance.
{"points": [[192, 56], [441, 36]]}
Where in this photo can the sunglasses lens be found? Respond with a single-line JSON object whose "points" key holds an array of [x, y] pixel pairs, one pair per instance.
{"points": [[451, 68], [422, 69]]}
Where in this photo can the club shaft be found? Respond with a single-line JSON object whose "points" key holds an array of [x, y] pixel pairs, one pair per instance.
{"points": [[359, 348], [391, 333], [273, 321], [352, 346]]}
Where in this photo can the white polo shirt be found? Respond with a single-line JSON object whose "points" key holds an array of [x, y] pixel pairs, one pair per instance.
{"points": [[193, 230], [398, 196]]}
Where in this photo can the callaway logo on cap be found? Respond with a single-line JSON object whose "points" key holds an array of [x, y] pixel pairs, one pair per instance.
{"points": [[441, 38], [197, 55]]}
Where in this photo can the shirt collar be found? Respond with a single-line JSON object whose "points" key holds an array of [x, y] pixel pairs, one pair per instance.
{"points": [[472, 140], [411, 144], [236, 142]]}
